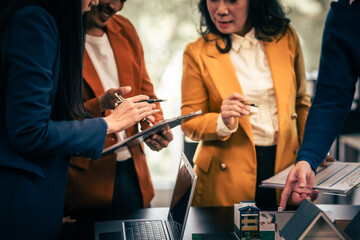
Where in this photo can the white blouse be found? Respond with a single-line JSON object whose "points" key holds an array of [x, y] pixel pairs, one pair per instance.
{"points": [[253, 72], [103, 59]]}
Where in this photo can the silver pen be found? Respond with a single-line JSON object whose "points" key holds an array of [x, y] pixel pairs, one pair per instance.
{"points": [[121, 100]]}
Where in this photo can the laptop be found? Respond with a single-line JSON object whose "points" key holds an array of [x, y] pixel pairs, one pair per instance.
{"points": [[173, 227]]}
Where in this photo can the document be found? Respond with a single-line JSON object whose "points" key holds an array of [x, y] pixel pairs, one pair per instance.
{"points": [[338, 178], [158, 127]]}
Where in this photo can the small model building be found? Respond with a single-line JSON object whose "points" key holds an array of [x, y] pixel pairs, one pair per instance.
{"points": [[246, 220], [309, 222], [266, 226], [280, 219], [353, 229]]}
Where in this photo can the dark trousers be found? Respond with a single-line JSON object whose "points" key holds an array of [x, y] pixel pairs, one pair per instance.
{"points": [[127, 194], [265, 198]]}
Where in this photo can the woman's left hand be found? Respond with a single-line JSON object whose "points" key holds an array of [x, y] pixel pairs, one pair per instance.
{"points": [[160, 140]]}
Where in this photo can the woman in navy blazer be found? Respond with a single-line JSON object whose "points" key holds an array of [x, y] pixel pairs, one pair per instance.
{"points": [[41, 50]]}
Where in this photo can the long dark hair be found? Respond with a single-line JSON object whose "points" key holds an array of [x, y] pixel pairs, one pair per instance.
{"points": [[67, 14], [266, 16]]}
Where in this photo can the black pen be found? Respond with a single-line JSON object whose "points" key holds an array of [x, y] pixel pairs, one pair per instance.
{"points": [[121, 99], [153, 100], [248, 104]]}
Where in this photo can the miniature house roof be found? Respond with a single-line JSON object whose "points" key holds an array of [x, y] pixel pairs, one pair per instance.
{"points": [[249, 207], [310, 222], [281, 218], [352, 230], [248, 204]]}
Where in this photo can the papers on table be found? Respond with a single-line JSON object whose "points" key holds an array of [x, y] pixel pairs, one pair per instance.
{"points": [[337, 178]]}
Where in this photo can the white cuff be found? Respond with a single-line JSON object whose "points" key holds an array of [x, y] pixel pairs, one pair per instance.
{"points": [[222, 130]]}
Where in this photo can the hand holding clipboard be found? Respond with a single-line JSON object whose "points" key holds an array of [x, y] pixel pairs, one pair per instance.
{"points": [[158, 127]]}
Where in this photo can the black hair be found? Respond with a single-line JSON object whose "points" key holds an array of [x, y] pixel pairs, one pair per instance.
{"points": [[266, 16], [70, 23]]}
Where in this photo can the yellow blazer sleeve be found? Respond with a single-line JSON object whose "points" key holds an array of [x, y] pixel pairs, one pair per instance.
{"points": [[302, 98], [195, 97]]}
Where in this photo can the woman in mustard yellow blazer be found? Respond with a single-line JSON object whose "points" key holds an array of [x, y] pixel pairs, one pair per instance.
{"points": [[248, 54]]}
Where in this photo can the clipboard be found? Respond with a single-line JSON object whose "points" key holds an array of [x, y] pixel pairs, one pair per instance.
{"points": [[158, 127]]}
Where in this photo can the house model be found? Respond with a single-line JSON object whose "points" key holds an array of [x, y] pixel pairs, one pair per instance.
{"points": [[353, 229], [309, 222], [246, 220], [280, 219]]}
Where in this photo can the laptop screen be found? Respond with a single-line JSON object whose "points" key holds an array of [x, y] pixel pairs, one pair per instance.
{"points": [[181, 198]]}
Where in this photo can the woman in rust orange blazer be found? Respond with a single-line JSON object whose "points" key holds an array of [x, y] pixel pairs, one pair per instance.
{"points": [[248, 54], [121, 181]]}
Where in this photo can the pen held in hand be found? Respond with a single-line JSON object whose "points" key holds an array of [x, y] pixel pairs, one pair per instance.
{"points": [[148, 122], [248, 104], [118, 97], [121, 99], [153, 100]]}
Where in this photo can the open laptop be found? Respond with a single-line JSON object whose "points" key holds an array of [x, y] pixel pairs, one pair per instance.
{"points": [[173, 227]]}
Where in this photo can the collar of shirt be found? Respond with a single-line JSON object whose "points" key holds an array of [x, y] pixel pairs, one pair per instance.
{"points": [[238, 42]]}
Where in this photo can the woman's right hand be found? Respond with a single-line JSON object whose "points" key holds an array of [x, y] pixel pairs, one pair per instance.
{"points": [[233, 108], [129, 113]]}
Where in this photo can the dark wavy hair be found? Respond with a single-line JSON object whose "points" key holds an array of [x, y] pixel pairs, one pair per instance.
{"points": [[71, 27], [266, 16]]}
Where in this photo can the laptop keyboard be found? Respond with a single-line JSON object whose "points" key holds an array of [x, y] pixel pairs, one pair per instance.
{"points": [[145, 230]]}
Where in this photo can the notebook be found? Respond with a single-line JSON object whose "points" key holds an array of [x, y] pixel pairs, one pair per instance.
{"points": [[173, 227]]}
